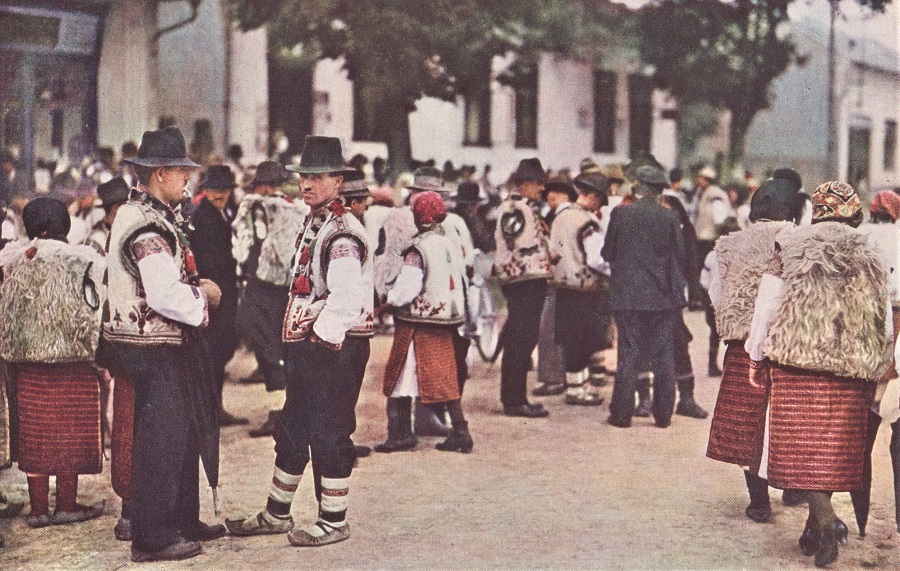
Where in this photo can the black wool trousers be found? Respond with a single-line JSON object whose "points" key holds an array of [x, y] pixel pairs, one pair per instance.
{"points": [[525, 302]]}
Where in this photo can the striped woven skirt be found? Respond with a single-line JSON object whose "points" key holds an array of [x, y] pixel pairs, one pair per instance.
{"points": [[435, 361], [122, 435], [59, 418], [817, 430], [739, 420]]}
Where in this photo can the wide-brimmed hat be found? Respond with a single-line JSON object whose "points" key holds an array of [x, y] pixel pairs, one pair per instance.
{"points": [[218, 177], [468, 193], [529, 170], [429, 178], [588, 166], [112, 192], [613, 172], [321, 155], [651, 176], [162, 148], [269, 172], [559, 184], [354, 185], [588, 183]]}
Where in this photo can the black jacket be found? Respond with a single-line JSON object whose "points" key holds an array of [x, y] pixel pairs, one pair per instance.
{"points": [[211, 244], [645, 248]]}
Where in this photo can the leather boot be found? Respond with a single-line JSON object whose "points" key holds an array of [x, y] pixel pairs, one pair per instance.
{"points": [[459, 440], [400, 436], [268, 427], [759, 510], [427, 423]]}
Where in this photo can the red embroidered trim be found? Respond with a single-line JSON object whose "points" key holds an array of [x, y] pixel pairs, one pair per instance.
{"points": [[149, 246], [344, 251]]}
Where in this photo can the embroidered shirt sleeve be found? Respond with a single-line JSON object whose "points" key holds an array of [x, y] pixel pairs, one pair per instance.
{"points": [[148, 244], [166, 294], [410, 281], [346, 292]]}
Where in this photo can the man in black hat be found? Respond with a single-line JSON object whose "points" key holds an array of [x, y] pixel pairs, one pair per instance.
{"points": [[645, 249], [210, 237], [155, 306], [263, 243], [112, 194], [326, 332], [523, 265]]}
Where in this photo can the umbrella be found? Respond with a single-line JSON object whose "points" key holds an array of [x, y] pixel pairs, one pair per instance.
{"points": [[202, 397], [861, 498]]}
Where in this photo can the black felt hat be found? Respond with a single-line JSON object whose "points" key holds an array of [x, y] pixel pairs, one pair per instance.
{"points": [[112, 192], [218, 177], [561, 185], [321, 155], [354, 185], [428, 178], [651, 176], [588, 183], [270, 172], [468, 193], [530, 170], [162, 148]]}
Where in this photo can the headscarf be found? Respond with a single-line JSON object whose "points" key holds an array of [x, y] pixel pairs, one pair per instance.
{"points": [[836, 201], [887, 202], [428, 209]]}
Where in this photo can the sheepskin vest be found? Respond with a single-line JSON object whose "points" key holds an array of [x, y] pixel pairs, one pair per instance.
{"points": [[126, 316], [832, 314], [522, 252], [743, 257], [567, 253], [395, 237], [266, 229], [442, 299], [50, 299], [309, 288]]}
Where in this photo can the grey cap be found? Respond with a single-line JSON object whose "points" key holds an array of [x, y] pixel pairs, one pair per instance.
{"points": [[651, 176]]}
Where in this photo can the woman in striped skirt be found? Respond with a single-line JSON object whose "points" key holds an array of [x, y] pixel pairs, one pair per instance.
{"points": [[822, 318], [49, 326]]}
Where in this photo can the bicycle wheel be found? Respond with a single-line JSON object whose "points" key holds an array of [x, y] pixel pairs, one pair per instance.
{"points": [[488, 327]]}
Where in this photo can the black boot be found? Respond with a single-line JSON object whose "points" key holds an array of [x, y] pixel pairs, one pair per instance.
{"points": [[459, 440], [759, 510], [687, 406], [427, 423], [400, 436]]}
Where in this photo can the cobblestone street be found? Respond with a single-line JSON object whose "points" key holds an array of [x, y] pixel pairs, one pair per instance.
{"points": [[566, 492]]}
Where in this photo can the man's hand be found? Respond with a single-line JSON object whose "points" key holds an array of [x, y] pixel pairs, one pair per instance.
{"points": [[213, 293], [758, 372]]}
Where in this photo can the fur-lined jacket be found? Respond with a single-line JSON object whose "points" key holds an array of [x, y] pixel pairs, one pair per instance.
{"points": [[742, 259], [50, 299], [833, 310]]}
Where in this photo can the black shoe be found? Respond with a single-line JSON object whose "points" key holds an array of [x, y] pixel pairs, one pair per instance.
{"points": [[619, 422], [689, 407], [526, 410], [204, 532], [714, 370], [759, 514], [267, 428], [122, 530], [459, 440], [831, 535], [793, 498], [663, 423], [362, 451], [547, 390], [175, 552], [809, 539], [398, 444]]}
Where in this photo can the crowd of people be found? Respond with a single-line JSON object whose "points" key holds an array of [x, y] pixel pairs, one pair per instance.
{"points": [[121, 309]]}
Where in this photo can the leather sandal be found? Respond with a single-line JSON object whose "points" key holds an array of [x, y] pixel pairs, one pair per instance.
{"points": [[258, 525], [302, 538]]}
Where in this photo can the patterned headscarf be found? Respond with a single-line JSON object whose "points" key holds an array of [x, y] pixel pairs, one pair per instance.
{"points": [[428, 209], [837, 201], [886, 201]]}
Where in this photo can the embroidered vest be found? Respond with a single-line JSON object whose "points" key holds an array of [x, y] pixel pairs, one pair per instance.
{"points": [[309, 290], [126, 316], [743, 257], [50, 299], [266, 229], [567, 254], [832, 314], [522, 252], [442, 299]]}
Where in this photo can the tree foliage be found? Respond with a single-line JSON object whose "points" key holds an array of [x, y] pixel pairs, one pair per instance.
{"points": [[401, 50]]}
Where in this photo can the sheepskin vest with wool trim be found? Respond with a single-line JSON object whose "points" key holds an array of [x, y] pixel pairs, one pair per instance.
{"points": [[50, 299], [522, 251], [743, 257], [570, 269], [265, 236], [833, 309], [442, 299]]}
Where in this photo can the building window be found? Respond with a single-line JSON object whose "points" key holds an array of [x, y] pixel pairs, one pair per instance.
{"points": [[477, 126], [890, 145], [640, 113], [604, 111], [526, 90]]}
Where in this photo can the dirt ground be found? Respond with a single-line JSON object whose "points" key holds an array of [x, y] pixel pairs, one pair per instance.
{"points": [[565, 492]]}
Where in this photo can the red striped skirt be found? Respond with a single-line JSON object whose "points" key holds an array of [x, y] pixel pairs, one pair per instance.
{"points": [[122, 435], [739, 420], [435, 361], [817, 430], [59, 418]]}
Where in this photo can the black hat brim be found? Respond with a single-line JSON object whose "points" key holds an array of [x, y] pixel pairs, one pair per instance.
{"points": [[161, 162], [336, 171]]}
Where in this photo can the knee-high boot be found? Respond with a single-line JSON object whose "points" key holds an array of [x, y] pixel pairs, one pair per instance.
{"points": [[759, 510], [400, 436]]}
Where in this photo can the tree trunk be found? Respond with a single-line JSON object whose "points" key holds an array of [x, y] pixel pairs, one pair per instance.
{"points": [[396, 136], [737, 142]]}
